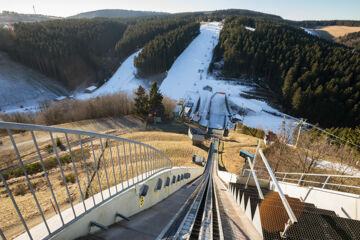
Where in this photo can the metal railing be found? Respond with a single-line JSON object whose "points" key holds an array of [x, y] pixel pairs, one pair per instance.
{"points": [[325, 181], [54, 176], [252, 172], [314, 179]]}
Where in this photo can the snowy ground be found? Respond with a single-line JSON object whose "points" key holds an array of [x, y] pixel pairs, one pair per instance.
{"points": [[189, 73], [349, 170], [22, 86], [311, 32], [123, 80]]}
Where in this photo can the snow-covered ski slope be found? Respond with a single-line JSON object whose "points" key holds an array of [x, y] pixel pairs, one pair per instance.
{"points": [[21, 88], [124, 80], [189, 74]]}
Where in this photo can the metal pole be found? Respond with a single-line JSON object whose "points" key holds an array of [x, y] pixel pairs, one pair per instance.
{"points": [[326, 181], [301, 178], [131, 165], [106, 175], [283, 198], [15, 205], [96, 168], [75, 170], [118, 155], [136, 165], [255, 179], [47, 177], [141, 163], [87, 170], [298, 136], [112, 163], [145, 162], [256, 152], [126, 165], [62, 173], [28, 179]]}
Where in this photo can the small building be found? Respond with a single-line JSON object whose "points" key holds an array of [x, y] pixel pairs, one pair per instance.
{"points": [[90, 89]]}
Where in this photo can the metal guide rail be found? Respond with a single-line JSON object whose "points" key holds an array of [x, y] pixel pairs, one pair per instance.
{"points": [[200, 219], [76, 170]]}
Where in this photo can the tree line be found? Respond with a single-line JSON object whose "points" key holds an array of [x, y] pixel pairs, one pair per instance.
{"points": [[71, 51], [313, 78], [82, 51], [137, 35], [159, 54], [351, 40]]}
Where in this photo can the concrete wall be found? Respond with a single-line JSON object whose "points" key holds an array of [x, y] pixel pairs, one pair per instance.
{"points": [[345, 205], [126, 203], [227, 177]]}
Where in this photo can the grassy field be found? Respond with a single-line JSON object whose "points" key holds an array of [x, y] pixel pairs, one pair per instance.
{"points": [[331, 32]]}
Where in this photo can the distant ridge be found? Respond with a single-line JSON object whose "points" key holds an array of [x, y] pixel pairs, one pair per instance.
{"points": [[114, 13], [7, 17]]}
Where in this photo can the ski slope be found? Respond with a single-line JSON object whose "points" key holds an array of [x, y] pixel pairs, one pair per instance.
{"points": [[124, 80], [23, 88], [189, 73]]}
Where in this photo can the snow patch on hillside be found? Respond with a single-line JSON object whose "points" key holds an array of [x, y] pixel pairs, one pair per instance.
{"points": [[23, 88], [250, 29], [124, 80], [311, 32]]}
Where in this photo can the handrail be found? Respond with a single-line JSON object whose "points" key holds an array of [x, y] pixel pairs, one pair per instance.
{"points": [[253, 172], [34, 127], [292, 218], [318, 174], [302, 175], [90, 167], [282, 196]]}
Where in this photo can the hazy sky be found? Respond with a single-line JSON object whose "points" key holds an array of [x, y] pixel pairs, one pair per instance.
{"points": [[289, 9]]}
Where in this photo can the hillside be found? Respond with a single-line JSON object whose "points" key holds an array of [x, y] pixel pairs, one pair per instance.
{"points": [[115, 13], [332, 33], [22, 88], [351, 40], [314, 79], [13, 17]]}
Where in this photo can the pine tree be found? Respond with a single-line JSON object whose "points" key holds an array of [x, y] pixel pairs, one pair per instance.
{"points": [[155, 98], [141, 102], [297, 99]]}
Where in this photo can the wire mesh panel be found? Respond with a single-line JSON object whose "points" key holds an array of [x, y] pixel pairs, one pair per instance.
{"points": [[51, 176]]}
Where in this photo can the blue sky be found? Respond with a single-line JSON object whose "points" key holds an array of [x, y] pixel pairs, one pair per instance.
{"points": [[289, 9]]}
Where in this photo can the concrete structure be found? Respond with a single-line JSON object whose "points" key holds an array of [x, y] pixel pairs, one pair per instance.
{"points": [[127, 203], [345, 205]]}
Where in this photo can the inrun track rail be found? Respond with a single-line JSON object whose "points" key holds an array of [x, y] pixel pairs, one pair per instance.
{"points": [[199, 218]]}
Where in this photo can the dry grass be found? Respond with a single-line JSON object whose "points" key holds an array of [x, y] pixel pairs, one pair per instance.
{"points": [[335, 31], [229, 157]]}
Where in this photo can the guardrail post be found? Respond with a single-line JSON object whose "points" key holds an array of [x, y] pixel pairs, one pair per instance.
{"points": [[300, 179], [16, 206], [120, 169], [326, 181], [284, 177]]}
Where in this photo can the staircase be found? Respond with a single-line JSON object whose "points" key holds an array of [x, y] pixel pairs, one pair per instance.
{"points": [[270, 217]]}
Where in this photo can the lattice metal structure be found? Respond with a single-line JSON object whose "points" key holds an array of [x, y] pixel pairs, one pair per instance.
{"points": [[68, 173]]}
